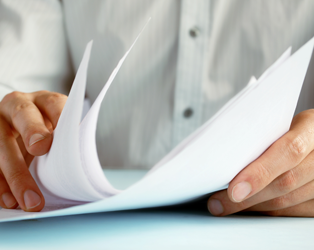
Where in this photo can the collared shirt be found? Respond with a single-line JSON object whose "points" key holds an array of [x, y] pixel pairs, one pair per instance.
{"points": [[191, 59]]}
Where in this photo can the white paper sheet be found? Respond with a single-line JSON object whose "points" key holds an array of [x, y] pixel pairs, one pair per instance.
{"points": [[206, 162]]}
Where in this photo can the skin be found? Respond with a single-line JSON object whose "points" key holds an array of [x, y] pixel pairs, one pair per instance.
{"points": [[27, 121], [279, 183]]}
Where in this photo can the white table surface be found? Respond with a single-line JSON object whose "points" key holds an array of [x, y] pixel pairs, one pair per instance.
{"points": [[186, 227]]}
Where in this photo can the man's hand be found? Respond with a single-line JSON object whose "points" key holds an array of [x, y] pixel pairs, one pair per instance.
{"points": [[27, 121], [280, 182]]}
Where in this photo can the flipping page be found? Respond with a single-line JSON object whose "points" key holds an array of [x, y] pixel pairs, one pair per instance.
{"points": [[71, 178]]}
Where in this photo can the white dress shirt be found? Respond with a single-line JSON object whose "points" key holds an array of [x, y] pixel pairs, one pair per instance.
{"points": [[191, 59]]}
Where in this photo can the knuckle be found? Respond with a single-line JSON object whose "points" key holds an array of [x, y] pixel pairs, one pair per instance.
{"points": [[279, 202], [16, 178], [20, 107], [262, 173], [287, 182], [296, 148], [12, 96], [54, 98]]}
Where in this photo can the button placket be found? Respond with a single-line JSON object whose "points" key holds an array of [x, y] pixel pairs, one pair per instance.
{"points": [[188, 88]]}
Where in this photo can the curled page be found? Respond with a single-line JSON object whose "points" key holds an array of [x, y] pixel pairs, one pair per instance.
{"points": [[89, 157], [60, 171], [71, 170]]}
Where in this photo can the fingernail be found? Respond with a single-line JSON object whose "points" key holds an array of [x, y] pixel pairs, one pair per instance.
{"points": [[31, 199], [215, 207], [8, 200], [35, 138], [241, 190]]}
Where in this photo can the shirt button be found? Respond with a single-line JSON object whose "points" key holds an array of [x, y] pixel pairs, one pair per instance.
{"points": [[194, 32], [188, 113]]}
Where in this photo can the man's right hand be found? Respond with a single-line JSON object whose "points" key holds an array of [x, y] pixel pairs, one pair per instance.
{"points": [[27, 121]]}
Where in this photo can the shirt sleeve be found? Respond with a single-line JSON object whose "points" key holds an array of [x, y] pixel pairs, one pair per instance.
{"points": [[33, 47]]}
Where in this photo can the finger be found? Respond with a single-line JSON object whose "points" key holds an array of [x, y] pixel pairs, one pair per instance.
{"points": [[305, 209], [284, 184], [16, 173], [51, 104], [24, 116], [20, 142], [48, 124], [7, 199], [283, 155], [296, 197], [27, 156]]}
